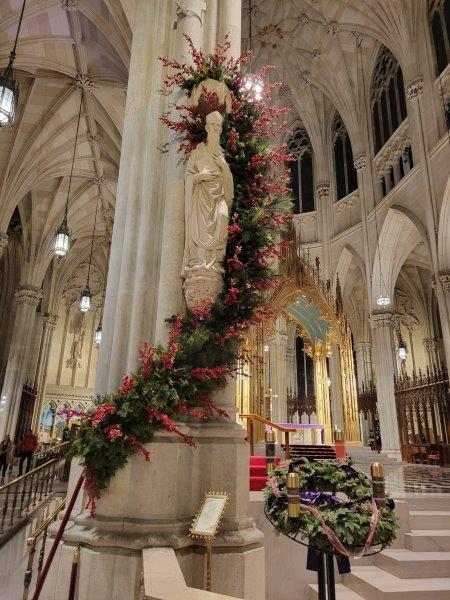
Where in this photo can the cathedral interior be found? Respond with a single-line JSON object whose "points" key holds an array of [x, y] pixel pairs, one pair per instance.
{"points": [[106, 232]]}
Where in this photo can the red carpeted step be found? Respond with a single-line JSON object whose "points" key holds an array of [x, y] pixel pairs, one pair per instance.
{"points": [[257, 483], [257, 460], [258, 471]]}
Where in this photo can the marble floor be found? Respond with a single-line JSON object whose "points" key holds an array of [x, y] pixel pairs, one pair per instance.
{"points": [[417, 479]]}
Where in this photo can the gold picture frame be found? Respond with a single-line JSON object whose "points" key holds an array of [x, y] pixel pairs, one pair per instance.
{"points": [[207, 520]]}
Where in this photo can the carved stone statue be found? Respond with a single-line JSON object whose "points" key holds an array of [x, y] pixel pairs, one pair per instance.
{"points": [[208, 196]]}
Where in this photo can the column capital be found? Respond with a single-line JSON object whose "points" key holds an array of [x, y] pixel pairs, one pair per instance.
{"points": [[382, 319], [444, 278], [363, 345], [29, 294], [414, 88], [360, 161], [190, 8], [323, 189], [50, 320], [4, 238]]}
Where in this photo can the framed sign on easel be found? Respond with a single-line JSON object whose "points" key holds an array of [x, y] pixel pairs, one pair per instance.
{"points": [[206, 524]]}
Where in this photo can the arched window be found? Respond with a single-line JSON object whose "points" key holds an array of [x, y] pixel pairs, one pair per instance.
{"points": [[302, 171], [439, 16], [387, 98], [346, 179]]}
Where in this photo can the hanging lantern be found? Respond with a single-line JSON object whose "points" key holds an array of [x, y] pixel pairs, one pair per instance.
{"points": [[62, 240], [85, 300], [9, 88], [402, 350], [383, 301], [9, 96], [98, 334], [254, 87]]}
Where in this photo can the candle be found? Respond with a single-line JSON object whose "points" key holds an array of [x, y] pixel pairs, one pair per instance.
{"points": [[269, 437], [293, 485], [378, 484]]}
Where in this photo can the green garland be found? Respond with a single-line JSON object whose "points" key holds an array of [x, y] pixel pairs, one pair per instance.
{"points": [[350, 521]]}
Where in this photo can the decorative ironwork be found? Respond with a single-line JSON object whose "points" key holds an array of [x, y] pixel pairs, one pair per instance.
{"points": [[300, 406]]}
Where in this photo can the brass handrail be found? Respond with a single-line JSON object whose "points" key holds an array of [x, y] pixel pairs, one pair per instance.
{"points": [[31, 544], [26, 491], [250, 437], [56, 451]]}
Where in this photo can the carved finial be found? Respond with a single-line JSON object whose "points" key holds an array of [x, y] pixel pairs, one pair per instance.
{"points": [[414, 88], [69, 5], [84, 84]]}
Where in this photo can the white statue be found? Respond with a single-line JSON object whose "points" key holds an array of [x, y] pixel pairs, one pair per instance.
{"points": [[208, 196]]}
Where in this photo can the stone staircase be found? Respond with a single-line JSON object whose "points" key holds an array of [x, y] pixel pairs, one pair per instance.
{"points": [[363, 457], [420, 570]]}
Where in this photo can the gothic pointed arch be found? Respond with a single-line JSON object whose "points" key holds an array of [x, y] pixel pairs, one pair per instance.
{"points": [[345, 172], [301, 169]]}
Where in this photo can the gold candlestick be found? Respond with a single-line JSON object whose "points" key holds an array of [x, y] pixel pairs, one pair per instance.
{"points": [[293, 487], [378, 483], [269, 437]]}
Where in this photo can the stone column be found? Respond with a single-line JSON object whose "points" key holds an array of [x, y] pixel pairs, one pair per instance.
{"points": [[396, 169], [28, 298], [291, 359], [366, 196], [278, 371], [132, 292], [4, 238], [384, 362], [230, 23], [35, 344], [189, 19], [387, 181], [442, 290], [49, 325], [363, 352], [336, 389]]}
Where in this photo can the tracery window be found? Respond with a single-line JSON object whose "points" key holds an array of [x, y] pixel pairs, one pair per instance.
{"points": [[387, 98], [302, 171], [439, 16], [346, 179]]}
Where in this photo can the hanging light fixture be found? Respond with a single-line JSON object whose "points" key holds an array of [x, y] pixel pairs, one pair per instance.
{"points": [[98, 333], [253, 84], [402, 350], [61, 242], [9, 87], [86, 295]]}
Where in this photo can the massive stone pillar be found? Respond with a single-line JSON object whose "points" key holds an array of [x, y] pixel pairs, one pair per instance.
{"points": [[35, 337], [49, 325], [132, 288], [28, 298], [189, 21], [442, 289], [384, 363], [278, 372]]}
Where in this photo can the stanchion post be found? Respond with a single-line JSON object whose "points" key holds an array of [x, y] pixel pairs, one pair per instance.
{"points": [[208, 564], [378, 483], [331, 588], [339, 444], [321, 576], [269, 437]]}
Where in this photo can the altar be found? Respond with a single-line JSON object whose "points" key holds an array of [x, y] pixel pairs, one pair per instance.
{"points": [[302, 434]]}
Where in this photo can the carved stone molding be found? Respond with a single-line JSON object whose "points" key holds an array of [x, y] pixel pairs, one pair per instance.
{"points": [[363, 346], [360, 161], [431, 345], [384, 319], [393, 148], [305, 79], [93, 139], [84, 83], [190, 8], [100, 180], [346, 203], [323, 189], [29, 294], [4, 238], [444, 278], [414, 88], [306, 218], [332, 29], [69, 5], [50, 320]]}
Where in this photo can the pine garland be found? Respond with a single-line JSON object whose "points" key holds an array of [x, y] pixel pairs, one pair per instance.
{"points": [[178, 380]]}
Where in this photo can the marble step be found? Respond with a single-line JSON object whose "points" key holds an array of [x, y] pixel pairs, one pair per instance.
{"points": [[429, 519], [407, 564], [342, 592], [425, 502], [428, 540], [373, 583]]}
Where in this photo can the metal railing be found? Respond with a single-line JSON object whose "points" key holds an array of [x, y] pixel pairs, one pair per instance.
{"points": [[31, 546], [21, 496], [50, 453], [250, 435]]}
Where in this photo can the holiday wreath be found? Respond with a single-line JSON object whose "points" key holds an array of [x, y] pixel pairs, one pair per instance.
{"points": [[337, 511], [176, 382]]}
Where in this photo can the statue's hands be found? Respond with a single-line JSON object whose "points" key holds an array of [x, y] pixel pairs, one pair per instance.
{"points": [[205, 175]]}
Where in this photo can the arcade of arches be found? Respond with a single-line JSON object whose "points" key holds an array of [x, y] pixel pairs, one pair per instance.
{"points": [[361, 337]]}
